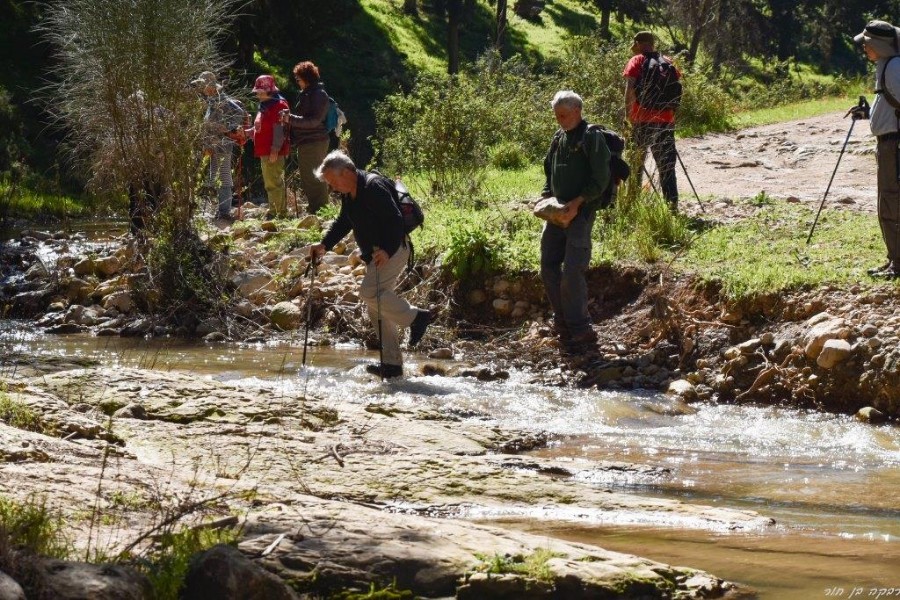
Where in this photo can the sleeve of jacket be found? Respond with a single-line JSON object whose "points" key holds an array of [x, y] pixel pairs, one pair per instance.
{"points": [[548, 167], [598, 157], [312, 112], [339, 228], [278, 137]]}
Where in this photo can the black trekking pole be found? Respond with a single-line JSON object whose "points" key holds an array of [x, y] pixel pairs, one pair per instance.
{"points": [[860, 111], [378, 314], [650, 179], [688, 177], [311, 269]]}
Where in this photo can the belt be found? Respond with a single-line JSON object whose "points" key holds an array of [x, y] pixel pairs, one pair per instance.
{"points": [[895, 135]]}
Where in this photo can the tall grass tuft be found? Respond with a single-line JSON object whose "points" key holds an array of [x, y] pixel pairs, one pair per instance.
{"points": [[31, 526]]}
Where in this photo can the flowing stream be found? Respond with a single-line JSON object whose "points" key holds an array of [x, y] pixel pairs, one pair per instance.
{"points": [[831, 483]]}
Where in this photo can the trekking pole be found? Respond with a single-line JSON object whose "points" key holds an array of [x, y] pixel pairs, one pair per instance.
{"points": [[688, 177], [240, 180], [863, 108], [650, 179], [378, 314], [311, 269]]}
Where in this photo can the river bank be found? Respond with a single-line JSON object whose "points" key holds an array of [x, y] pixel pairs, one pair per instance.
{"points": [[340, 492]]}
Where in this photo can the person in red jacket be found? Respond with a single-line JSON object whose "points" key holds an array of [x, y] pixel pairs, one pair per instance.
{"points": [[270, 144], [653, 128]]}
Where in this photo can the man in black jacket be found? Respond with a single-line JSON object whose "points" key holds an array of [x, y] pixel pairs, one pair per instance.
{"points": [[369, 210]]}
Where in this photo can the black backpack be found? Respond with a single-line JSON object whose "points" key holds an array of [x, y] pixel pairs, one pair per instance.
{"points": [[412, 214], [658, 87], [619, 170]]}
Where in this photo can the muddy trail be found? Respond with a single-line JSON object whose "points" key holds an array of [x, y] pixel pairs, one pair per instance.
{"points": [[790, 160]]}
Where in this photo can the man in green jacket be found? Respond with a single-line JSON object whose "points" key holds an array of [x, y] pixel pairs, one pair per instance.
{"points": [[577, 174]]}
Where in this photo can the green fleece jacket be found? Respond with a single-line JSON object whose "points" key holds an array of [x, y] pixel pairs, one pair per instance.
{"points": [[578, 165]]}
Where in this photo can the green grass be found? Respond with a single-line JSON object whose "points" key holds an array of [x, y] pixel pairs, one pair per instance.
{"points": [[767, 253], [19, 415], [798, 110], [533, 566], [23, 203], [763, 254], [33, 526]]}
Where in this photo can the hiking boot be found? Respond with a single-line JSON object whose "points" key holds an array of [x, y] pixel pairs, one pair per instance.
{"points": [[588, 336], [875, 271], [579, 342], [418, 326], [385, 371], [891, 272], [562, 332]]}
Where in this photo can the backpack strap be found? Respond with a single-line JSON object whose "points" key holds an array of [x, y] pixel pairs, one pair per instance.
{"points": [[886, 93]]}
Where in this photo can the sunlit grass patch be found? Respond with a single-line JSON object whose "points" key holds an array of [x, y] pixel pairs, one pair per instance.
{"points": [[767, 252], [799, 110], [24, 203]]}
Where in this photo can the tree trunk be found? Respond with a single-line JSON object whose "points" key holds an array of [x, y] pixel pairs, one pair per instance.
{"points": [[454, 14], [500, 36], [605, 7]]}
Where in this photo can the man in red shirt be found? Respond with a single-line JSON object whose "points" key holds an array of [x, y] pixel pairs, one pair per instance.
{"points": [[652, 128]]}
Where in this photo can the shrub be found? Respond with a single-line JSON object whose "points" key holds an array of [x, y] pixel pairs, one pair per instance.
{"points": [[509, 156], [473, 254]]}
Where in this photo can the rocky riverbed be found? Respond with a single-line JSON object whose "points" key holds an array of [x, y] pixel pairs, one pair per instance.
{"points": [[339, 494]]}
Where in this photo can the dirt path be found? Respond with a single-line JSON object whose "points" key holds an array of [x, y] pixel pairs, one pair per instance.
{"points": [[792, 159]]}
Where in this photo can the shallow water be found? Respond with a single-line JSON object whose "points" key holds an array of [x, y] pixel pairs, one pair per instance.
{"points": [[831, 483]]}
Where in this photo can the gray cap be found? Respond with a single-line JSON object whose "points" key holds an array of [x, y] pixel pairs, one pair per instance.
{"points": [[877, 30], [207, 79]]}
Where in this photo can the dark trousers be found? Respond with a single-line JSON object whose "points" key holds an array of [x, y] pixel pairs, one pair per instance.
{"points": [[659, 138], [565, 257], [889, 194]]}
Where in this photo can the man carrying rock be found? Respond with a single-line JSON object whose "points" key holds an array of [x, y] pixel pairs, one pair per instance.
{"points": [[369, 210], [577, 173], [880, 42], [653, 120]]}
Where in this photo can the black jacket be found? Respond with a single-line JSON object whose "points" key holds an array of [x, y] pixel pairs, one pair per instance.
{"points": [[307, 123], [373, 216]]}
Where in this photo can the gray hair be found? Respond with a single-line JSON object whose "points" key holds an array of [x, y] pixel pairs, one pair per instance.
{"points": [[567, 98], [334, 161]]}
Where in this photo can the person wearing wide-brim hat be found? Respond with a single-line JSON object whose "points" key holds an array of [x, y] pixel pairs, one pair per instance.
{"points": [[222, 121], [881, 43]]}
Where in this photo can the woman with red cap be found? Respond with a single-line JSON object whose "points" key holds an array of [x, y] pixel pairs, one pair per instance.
{"points": [[270, 144]]}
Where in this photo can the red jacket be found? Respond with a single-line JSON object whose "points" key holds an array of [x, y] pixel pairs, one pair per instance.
{"points": [[268, 132]]}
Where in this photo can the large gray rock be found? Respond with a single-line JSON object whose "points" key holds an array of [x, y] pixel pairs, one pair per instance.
{"points": [[822, 327], [833, 352], [9, 589], [253, 282], [82, 581], [286, 315], [223, 573]]}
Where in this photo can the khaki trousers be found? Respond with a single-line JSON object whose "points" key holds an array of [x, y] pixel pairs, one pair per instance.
{"points": [[889, 195], [395, 311], [273, 179]]}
